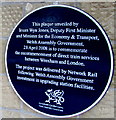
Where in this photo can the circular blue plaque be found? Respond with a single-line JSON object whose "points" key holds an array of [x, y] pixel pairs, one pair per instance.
{"points": [[59, 61]]}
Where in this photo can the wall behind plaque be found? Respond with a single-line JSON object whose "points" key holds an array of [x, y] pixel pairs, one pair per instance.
{"points": [[10, 105]]}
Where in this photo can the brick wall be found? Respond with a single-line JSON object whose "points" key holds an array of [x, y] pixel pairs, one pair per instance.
{"points": [[10, 105]]}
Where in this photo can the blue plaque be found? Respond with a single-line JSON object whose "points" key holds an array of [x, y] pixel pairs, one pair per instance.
{"points": [[59, 61]]}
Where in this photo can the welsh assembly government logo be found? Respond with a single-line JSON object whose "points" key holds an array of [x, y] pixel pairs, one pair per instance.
{"points": [[55, 96]]}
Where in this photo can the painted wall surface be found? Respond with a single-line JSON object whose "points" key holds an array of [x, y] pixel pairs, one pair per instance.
{"points": [[11, 12]]}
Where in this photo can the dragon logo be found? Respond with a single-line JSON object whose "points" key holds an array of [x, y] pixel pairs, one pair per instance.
{"points": [[56, 96]]}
